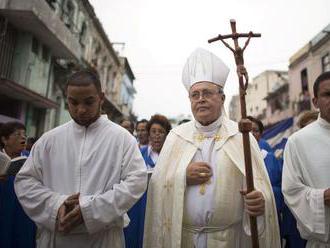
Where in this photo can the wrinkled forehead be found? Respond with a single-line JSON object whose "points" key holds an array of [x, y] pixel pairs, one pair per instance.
{"points": [[204, 86]]}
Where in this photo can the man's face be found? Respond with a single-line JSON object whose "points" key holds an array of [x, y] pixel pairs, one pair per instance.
{"points": [[84, 103], [142, 133], [206, 102], [322, 101]]}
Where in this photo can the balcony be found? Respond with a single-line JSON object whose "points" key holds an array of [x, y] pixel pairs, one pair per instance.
{"points": [[38, 18]]}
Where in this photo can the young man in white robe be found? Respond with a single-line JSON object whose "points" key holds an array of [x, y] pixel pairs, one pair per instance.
{"points": [[197, 195], [306, 171], [83, 176]]}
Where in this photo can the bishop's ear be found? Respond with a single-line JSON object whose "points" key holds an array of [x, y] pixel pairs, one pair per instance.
{"points": [[223, 96]]}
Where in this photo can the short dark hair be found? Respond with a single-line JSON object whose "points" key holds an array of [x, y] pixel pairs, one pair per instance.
{"points": [[130, 121], [84, 78], [258, 122], [161, 120], [141, 121], [324, 76], [9, 128]]}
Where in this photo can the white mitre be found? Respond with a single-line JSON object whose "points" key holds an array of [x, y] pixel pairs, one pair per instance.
{"points": [[204, 66]]}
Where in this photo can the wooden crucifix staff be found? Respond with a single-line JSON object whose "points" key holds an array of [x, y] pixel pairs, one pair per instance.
{"points": [[245, 125]]}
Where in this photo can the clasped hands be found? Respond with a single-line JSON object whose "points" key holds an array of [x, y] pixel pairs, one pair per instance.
{"points": [[69, 214], [200, 172]]}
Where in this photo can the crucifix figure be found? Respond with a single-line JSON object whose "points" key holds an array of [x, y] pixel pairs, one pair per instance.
{"points": [[239, 58], [245, 125]]}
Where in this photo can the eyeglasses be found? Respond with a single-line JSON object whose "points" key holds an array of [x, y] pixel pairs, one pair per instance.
{"points": [[19, 134], [206, 94], [155, 132]]}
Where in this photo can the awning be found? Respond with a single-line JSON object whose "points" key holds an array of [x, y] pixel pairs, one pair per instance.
{"points": [[19, 92]]}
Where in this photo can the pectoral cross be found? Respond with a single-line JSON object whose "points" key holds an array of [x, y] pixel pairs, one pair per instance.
{"points": [[200, 138], [202, 187]]}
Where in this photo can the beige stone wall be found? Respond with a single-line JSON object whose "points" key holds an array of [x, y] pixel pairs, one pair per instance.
{"points": [[234, 108], [312, 61], [259, 88]]}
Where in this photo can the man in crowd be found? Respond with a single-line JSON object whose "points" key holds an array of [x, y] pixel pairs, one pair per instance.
{"points": [[82, 177], [128, 125], [197, 196], [306, 181], [142, 133]]}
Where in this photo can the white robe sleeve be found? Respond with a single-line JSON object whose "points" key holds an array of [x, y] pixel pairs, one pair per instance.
{"points": [[306, 203], [100, 211], [39, 202]]}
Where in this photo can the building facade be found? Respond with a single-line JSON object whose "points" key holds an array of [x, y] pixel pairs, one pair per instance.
{"points": [[305, 66], [260, 87], [127, 90], [235, 108], [278, 103], [41, 43]]}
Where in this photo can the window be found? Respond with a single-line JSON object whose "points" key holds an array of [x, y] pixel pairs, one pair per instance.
{"points": [[97, 48], [35, 46], [51, 3], [68, 14], [45, 53], [304, 80], [82, 35], [326, 63]]}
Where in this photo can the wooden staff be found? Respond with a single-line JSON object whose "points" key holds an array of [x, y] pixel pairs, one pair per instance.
{"points": [[245, 125]]}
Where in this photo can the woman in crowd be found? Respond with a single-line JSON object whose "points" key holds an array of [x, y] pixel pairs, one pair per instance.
{"points": [[16, 229], [158, 127]]}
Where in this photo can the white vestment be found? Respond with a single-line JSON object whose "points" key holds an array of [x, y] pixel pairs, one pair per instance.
{"points": [[102, 162], [178, 216], [306, 175]]}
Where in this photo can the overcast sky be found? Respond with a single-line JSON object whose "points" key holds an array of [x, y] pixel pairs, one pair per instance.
{"points": [[160, 35]]}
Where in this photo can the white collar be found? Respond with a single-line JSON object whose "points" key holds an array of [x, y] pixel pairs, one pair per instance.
{"points": [[13, 159], [150, 151], [153, 155], [211, 128], [323, 122]]}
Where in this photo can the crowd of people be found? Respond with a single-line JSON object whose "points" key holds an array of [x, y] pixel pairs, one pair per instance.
{"points": [[94, 183], [16, 228]]}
